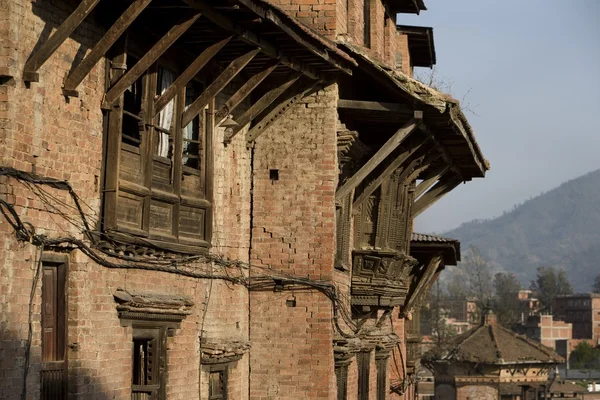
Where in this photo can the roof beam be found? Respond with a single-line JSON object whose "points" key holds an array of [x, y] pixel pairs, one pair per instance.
{"points": [[433, 156], [394, 165], [234, 68], [374, 106], [424, 280], [149, 58], [245, 90], [276, 113], [434, 194], [267, 48], [189, 73], [265, 101], [384, 151], [38, 59], [435, 175], [108, 40]]}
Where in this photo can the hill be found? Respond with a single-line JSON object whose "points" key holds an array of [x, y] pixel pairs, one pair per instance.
{"points": [[560, 228]]}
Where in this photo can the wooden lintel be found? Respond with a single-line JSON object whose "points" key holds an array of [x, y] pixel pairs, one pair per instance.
{"points": [[189, 73], [276, 113], [425, 281], [434, 194], [377, 158], [38, 59], [108, 40], [430, 180], [394, 165], [245, 91], [217, 85], [149, 58], [269, 49], [265, 101], [374, 106]]}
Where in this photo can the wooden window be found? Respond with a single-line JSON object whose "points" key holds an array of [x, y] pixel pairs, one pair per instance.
{"points": [[341, 375], [367, 23], [364, 367], [217, 382], [54, 332], [149, 364], [158, 180], [382, 378]]}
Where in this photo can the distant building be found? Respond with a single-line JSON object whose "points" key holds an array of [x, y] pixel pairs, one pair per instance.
{"points": [[528, 304], [583, 311], [491, 362], [554, 334]]}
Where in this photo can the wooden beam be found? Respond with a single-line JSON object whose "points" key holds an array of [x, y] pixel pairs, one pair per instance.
{"points": [[424, 282], [445, 155], [431, 157], [394, 165], [149, 58], [374, 161], [374, 106], [108, 40], [245, 91], [189, 73], [434, 194], [217, 85], [38, 59], [276, 113], [265, 101], [269, 49], [434, 177]]}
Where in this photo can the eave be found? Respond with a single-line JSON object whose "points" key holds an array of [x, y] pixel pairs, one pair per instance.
{"points": [[420, 44]]}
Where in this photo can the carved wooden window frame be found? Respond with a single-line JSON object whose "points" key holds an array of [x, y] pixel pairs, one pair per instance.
{"points": [[221, 370], [175, 216]]}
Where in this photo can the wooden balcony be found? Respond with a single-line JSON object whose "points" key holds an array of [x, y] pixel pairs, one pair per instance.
{"points": [[380, 278]]}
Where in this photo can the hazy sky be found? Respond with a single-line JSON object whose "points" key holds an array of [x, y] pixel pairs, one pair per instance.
{"points": [[531, 69]]}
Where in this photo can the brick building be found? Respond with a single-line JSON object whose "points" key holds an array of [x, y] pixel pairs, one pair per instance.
{"points": [[208, 199], [583, 311], [554, 334]]}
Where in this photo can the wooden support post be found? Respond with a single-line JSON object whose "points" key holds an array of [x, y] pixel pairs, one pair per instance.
{"points": [[394, 165], [245, 91], [424, 282], [103, 45], [269, 49], [381, 154], [217, 85], [433, 178], [374, 106], [189, 73], [148, 59], [38, 59], [264, 102], [431, 157], [276, 113], [434, 194]]}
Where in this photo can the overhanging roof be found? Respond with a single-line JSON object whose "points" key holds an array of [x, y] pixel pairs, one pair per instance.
{"points": [[420, 44], [423, 243], [407, 6]]}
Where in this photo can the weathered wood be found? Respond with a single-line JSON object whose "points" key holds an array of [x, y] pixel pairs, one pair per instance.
{"points": [[149, 58], [269, 49], [394, 165], [264, 102], [434, 177], [377, 158], [424, 281], [276, 113], [217, 85], [189, 73], [245, 91], [374, 106], [62, 33], [445, 155], [431, 157], [103, 45], [434, 194]]}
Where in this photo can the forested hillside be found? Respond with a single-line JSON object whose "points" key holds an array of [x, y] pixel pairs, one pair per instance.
{"points": [[559, 228]]}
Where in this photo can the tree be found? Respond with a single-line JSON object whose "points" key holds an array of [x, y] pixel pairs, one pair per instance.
{"points": [[596, 285], [506, 302], [586, 358], [434, 315], [478, 275], [549, 284]]}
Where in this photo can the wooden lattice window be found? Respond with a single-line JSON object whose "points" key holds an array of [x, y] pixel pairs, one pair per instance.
{"points": [[218, 382], [54, 332], [149, 362], [341, 375], [158, 172]]}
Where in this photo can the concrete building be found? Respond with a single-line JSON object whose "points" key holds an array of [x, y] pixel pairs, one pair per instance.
{"points": [[583, 312], [206, 199]]}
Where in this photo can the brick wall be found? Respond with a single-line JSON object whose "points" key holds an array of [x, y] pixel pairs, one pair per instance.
{"points": [[318, 14], [480, 392], [402, 54], [293, 232]]}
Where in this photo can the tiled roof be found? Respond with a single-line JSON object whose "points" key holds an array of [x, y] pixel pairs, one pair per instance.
{"points": [[490, 343], [425, 238]]}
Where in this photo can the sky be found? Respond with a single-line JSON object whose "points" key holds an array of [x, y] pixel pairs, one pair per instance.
{"points": [[530, 72]]}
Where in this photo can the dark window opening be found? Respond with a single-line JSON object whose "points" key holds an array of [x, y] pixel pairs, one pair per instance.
{"points": [[381, 378], [192, 137], [364, 366], [217, 384], [367, 23], [149, 362], [132, 107], [341, 375]]}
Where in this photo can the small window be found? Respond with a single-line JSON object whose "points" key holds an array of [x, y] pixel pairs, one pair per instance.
{"points": [[381, 378], [364, 366], [148, 355], [341, 376], [217, 384], [367, 23]]}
